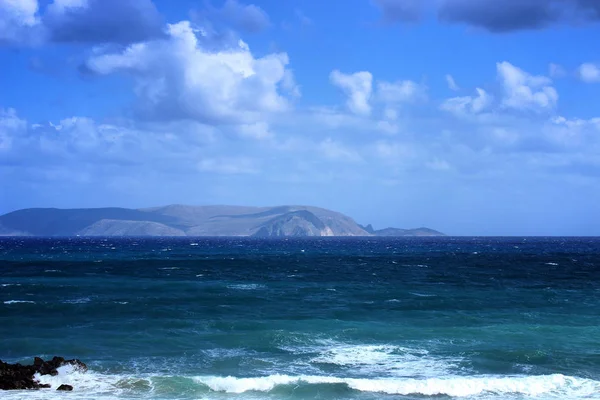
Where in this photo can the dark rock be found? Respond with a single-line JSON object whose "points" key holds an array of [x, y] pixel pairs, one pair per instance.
{"points": [[66, 388], [17, 376]]}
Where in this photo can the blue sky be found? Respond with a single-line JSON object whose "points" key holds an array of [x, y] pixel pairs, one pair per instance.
{"points": [[464, 116]]}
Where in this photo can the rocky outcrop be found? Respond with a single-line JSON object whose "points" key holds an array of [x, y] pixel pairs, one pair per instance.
{"points": [[20, 377], [296, 224]]}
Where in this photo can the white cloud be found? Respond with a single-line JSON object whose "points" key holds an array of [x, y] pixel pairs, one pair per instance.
{"points": [[589, 73], [390, 114], [468, 104], [176, 78], [400, 91], [10, 127], [337, 151], [289, 85], [523, 91], [393, 152], [17, 17], [388, 127], [257, 131], [229, 165], [357, 87], [452, 83], [438, 165]]}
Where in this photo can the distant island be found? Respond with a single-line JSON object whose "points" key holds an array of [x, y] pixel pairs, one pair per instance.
{"points": [[182, 220]]}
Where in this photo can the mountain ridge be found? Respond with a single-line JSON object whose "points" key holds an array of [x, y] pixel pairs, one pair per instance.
{"points": [[183, 220]]}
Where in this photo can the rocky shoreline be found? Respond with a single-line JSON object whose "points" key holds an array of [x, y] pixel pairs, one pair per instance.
{"points": [[22, 377]]}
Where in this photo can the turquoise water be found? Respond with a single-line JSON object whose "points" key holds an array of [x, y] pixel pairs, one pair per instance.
{"points": [[475, 318]]}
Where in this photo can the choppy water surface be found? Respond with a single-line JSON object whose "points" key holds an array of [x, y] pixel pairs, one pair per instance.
{"points": [[475, 318]]}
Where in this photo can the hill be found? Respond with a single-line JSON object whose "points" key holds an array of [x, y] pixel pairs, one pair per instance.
{"points": [[181, 220]]}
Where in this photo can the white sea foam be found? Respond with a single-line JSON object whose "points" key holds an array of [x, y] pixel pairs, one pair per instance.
{"points": [[81, 300], [246, 286], [557, 385], [93, 385], [551, 263], [387, 360], [90, 384], [422, 294], [10, 284], [19, 301]]}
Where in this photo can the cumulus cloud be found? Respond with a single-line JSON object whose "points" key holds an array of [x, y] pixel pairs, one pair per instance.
{"points": [[11, 126], [589, 72], [18, 20], [177, 78], [358, 88], [248, 18], [468, 104], [523, 91], [495, 16], [400, 91]]}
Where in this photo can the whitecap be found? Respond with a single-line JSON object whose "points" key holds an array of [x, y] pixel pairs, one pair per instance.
{"points": [[246, 286], [556, 385], [81, 300], [422, 294], [19, 302], [386, 360]]}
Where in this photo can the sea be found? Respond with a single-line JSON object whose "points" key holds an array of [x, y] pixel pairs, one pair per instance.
{"points": [[305, 318]]}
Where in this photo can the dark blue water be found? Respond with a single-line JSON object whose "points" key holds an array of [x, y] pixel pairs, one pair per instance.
{"points": [[329, 318]]}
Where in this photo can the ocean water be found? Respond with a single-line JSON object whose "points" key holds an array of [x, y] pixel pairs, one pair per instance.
{"points": [[329, 318]]}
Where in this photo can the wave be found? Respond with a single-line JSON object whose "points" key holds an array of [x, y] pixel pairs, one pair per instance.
{"points": [[456, 386], [19, 302], [96, 385]]}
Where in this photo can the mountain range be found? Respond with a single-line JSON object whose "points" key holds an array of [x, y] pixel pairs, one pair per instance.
{"points": [[182, 220]]}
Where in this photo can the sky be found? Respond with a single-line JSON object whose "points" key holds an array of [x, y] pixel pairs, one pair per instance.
{"points": [[470, 117]]}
